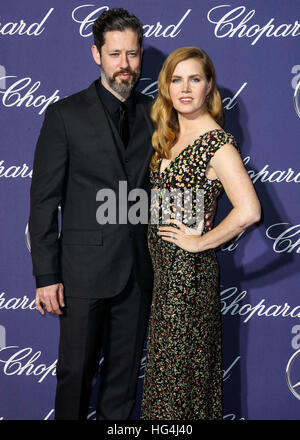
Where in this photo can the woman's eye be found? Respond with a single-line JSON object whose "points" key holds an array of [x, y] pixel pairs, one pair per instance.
{"points": [[175, 80], [196, 79]]}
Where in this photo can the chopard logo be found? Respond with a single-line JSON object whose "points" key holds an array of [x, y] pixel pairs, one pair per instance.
{"points": [[22, 92], [22, 28], [284, 241], [24, 361], [151, 89], [85, 15], [16, 303], [277, 176], [232, 304], [236, 22], [14, 171]]}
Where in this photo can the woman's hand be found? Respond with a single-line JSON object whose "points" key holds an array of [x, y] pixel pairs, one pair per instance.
{"points": [[184, 237]]}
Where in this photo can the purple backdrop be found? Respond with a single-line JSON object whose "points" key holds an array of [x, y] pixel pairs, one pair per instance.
{"points": [[45, 55]]}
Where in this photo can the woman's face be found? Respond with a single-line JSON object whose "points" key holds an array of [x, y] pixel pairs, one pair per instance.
{"points": [[189, 87]]}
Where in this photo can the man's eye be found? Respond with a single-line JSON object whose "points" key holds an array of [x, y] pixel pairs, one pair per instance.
{"points": [[133, 54], [114, 54]]}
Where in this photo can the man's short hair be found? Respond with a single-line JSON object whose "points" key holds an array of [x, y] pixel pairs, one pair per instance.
{"points": [[116, 19]]}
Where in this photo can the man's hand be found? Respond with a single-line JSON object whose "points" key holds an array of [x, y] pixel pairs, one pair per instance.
{"points": [[209, 217], [50, 298]]}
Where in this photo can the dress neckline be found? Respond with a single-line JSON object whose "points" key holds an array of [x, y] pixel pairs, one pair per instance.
{"points": [[161, 173]]}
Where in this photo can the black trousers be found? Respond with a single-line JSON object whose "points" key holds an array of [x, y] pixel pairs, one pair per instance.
{"points": [[117, 325]]}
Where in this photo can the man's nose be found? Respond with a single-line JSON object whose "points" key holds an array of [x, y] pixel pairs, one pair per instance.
{"points": [[124, 61]]}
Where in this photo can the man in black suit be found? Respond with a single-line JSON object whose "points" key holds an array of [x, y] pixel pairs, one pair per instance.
{"points": [[96, 277]]}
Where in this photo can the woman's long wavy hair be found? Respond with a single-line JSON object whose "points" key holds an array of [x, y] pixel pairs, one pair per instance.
{"points": [[163, 113]]}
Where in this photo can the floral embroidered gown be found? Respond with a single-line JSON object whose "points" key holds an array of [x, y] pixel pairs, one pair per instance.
{"points": [[183, 372]]}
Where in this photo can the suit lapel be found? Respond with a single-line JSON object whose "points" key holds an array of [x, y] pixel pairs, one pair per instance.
{"points": [[110, 141]]}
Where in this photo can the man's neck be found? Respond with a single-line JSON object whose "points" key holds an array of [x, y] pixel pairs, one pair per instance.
{"points": [[122, 98]]}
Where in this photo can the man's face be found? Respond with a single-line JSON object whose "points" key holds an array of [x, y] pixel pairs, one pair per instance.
{"points": [[120, 61]]}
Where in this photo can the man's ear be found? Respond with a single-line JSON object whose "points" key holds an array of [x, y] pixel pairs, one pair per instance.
{"points": [[96, 55]]}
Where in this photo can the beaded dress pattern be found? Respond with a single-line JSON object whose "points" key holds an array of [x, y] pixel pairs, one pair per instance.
{"points": [[183, 372]]}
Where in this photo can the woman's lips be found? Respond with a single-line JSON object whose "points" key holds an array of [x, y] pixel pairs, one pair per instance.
{"points": [[186, 100]]}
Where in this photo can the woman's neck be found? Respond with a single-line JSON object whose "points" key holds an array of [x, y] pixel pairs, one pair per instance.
{"points": [[188, 124]]}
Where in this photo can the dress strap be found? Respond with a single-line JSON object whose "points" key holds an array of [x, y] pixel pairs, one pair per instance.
{"points": [[216, 139]]}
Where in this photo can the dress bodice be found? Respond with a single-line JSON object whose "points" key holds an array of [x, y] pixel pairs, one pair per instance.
{"points": [[186, 175]]}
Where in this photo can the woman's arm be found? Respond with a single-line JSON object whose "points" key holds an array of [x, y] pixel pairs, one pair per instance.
{"points": [[238, 187], [230, 169]]}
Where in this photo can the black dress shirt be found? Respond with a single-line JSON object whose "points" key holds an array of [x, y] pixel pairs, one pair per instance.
{"points": [[112, 104]]}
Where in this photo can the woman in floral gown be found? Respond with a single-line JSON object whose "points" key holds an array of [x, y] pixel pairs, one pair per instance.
{"points": [[193, 155]]}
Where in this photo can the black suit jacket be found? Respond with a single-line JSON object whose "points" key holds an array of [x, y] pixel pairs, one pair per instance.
{"points": [[79, 152]]}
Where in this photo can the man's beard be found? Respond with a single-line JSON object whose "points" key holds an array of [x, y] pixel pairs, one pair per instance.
{"points": [[126, 85]]}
